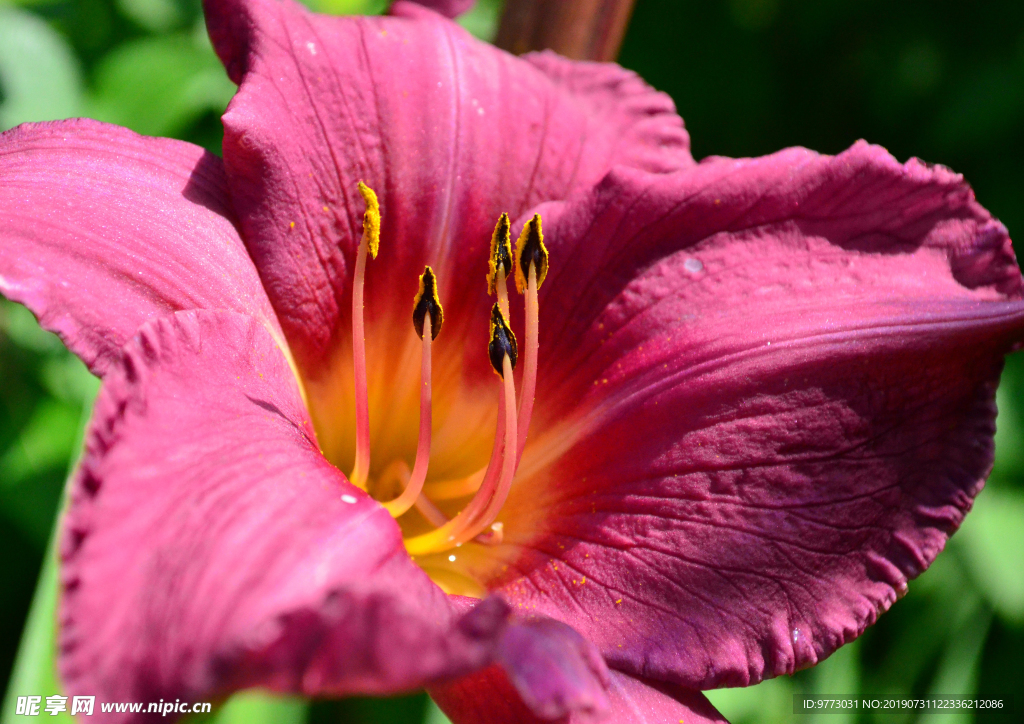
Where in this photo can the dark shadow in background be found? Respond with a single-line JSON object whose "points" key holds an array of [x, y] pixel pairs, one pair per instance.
{"points": [[937, 79]]}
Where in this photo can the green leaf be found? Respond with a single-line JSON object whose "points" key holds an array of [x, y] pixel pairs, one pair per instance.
{"points": [[260, 707], [45, 443], [957, 675], [157, 16], [34, 461], [39, 74], [435, 715], [483, 18], [158, 86], [991, 541], [22, 328], [940, 599], [770, 702], [347, 7], [837, 677], [68, 379], [1009, 461], [35, 672]]}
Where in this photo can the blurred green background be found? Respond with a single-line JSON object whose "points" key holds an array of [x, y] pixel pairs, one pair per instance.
{"points": [[938, 79]]}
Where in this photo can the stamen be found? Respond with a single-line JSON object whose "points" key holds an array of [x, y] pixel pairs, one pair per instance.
{"points": [[399, 469], [427, 317], [503, 342], [427, 303], [492, 537], [500, 262], [508, 462], [370, 242], [503, 353], [530, 249], [430, 511], [456, 488], [531, 268]]}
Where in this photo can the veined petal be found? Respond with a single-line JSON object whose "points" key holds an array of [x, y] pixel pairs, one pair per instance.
{"points": [[780, 375], [652, 135], [448, 130], [488, 696], [209, 546], [102, 229]]}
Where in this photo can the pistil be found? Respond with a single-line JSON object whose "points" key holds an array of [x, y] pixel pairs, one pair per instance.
{"points": [[427, 317], [370, 242]]}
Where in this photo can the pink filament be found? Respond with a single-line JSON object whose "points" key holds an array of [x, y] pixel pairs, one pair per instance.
{"points": [[532, 345], [508, 462], [403, 502], [500, 467], [431, 512], [361, 468], [502, 288]]}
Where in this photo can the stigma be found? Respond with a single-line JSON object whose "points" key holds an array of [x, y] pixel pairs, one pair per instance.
{"points": [[484, 493]]}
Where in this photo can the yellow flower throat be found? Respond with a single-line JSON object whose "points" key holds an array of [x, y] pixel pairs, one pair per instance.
{"points": [[430, 534]]}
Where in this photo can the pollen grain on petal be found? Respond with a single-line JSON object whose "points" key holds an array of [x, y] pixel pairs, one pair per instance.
{"points": [[530, 249], [427, 302], [503, 341], [371, 219]]}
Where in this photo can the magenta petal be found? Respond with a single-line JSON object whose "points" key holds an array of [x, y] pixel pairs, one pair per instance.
{"points": [[650, 702], [102, 229], [448, 130], [487, 696], [555, 670], [209, 546], [785, 368]]}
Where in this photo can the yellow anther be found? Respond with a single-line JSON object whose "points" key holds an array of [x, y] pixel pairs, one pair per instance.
{"points": [[427, 302], [501, 253], [371, 219], [530, 249]]}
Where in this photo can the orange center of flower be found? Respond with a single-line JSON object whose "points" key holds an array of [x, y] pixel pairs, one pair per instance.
{"points": [[421, 500]]}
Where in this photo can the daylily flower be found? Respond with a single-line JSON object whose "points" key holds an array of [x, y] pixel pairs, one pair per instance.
{"points": [[753, 397]]}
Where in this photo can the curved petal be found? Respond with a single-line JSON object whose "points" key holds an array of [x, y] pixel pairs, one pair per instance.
{"points": [[209, 546], [555, 670], [102, 229], [780, 374], [487, 696], [448, 130]]}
